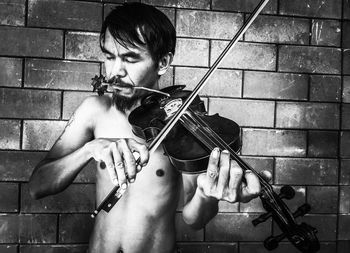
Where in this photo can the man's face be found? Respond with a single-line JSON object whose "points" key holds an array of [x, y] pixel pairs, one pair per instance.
{"points": [[130, 67]]}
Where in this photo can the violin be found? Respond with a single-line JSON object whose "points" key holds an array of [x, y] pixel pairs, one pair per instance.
{"points": [[177, 119]]}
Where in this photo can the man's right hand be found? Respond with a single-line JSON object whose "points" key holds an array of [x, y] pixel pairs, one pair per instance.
{"points": [[117, 155]]}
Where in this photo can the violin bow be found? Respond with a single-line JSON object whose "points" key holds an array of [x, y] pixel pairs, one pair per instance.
{"points": [[116, 193]]}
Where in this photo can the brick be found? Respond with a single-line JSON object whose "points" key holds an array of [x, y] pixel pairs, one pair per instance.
{"points": [[312, 8], [346, 61], [214, 25], [71, 101], [200, 4], [326, 225], [344, 144], [309, 59], [323, 199], [226, 207], [18, 41], [18, 165], [28, 228], [346, 9], [198, 56], [343, 227], [346, 36], [8, 248], [307, 115], [236, 227], [306, 171], [184, 232], [273, 142], [25, 103], [83, 46], [344, 200], [326, 32], [223, 82], [67, 75], [343, 246], [345, 172], [41, 134], [275, 29], [259, 164], [12, 13], [323, 144], [53, 248], [283, 247], [8, 197], [9, 134], [255, 205], [75, 228], [275, 85], [244, 112], [243, 6], [346, 89], [76, 198], [71, 15], [345, 116], [10, 72], [207, 247], [246, 55], [325, 88]]}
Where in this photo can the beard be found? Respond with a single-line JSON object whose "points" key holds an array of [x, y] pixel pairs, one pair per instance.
{"points": [[124, 103]]}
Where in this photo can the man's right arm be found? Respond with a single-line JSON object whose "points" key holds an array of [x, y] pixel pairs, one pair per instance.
{"points": [[67, 156]]}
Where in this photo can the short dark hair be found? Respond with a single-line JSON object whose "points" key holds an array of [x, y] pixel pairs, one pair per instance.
{"points": [[135, 24]]}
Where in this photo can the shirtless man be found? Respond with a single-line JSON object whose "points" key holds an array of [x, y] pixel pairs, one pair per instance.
{"points": [[138, 42]]}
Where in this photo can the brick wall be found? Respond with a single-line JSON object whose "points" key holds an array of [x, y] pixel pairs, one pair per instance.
{"points": [[287, 83]]}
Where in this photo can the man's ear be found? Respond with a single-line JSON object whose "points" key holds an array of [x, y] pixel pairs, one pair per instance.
{"points": [[164, 63]]}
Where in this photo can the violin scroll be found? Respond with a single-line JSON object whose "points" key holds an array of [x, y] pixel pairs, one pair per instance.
{"points": [[302, 236]]}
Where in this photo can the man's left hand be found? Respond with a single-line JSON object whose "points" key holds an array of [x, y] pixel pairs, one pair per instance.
{"points": [[224, 179]]}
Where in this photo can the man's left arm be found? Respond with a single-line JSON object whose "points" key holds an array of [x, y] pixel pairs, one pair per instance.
{"points": [[224, 180]]}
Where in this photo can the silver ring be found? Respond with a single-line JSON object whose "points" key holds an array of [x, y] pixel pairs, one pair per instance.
{"points": [[213, 174]]}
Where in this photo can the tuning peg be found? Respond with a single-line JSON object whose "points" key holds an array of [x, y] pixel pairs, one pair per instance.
{"points": [[287, 192], [261, 218], [271, 242], [302, 210]]}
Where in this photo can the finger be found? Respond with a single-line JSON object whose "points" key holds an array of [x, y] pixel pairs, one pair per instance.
{"points": [[224, 171], [252, 188], [212, 171], [129, 160], [109, 165], [119, 165], [236, 174], [141, 149], [266, 175]]}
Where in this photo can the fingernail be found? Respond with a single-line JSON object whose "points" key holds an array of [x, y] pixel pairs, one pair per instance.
{"points": [[144, 165], [115, 181], [216, 152], [138, 167], [124, 186], [132, 180], [248, 171], [225, 151]]}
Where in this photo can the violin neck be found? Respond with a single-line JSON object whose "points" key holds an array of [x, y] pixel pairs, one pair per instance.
{"points": [[193, 123]]}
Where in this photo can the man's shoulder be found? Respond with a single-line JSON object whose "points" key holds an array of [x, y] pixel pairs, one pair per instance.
{"points": [[94, 105]]}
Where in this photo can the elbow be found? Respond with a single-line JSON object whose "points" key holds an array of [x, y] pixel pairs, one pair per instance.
{"points": [[34, 192]]}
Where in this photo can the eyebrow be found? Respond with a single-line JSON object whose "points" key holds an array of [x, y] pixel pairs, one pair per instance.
{"points": [[127, 54]]}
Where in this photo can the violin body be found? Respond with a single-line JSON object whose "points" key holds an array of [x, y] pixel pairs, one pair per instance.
{"points": [[186, 152]]}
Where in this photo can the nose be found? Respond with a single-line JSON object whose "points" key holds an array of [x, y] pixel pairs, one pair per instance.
{"points": [[117, 69]]}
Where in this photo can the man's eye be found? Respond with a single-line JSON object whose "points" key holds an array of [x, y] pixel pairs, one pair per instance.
{"points": [[129, 59], [110, 57]]}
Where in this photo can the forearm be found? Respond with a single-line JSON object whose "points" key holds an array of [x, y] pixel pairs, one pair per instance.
{"points": [[53, 176], [200, 210]]}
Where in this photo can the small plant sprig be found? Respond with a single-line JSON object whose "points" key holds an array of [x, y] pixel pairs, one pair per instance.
{"points": [[99, 84]]}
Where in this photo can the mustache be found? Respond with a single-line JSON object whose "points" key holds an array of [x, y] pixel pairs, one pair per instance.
{"points": [[117, 82]]}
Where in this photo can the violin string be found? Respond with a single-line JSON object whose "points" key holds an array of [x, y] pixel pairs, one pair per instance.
{"points": [[222, 144]]}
